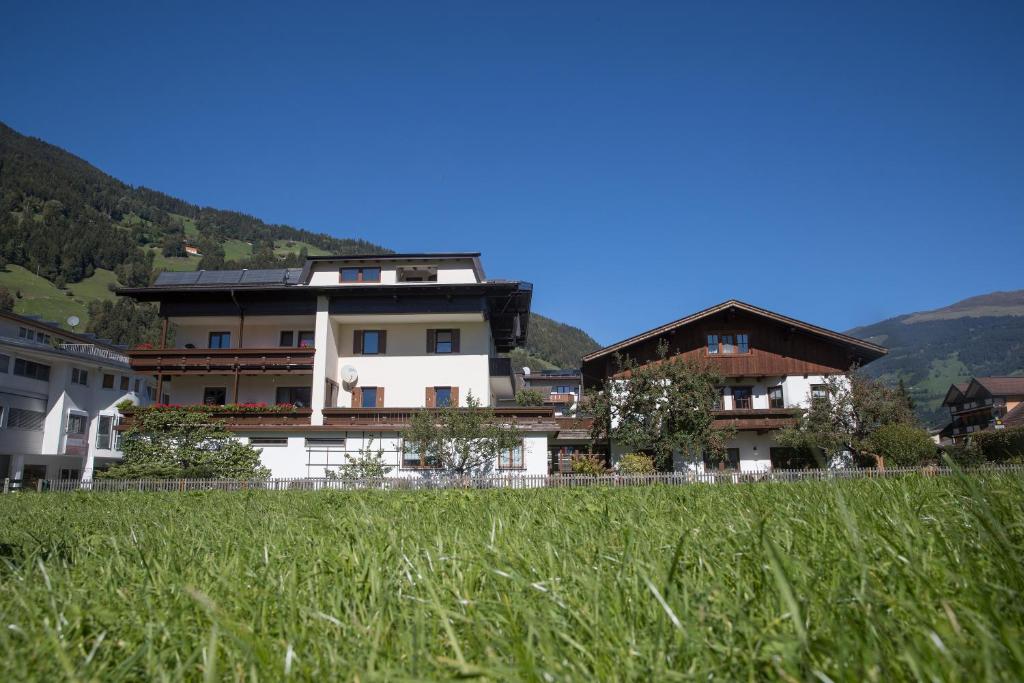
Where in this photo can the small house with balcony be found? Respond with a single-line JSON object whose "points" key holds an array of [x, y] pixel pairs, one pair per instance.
{"points": [[353, 346], [560, 389], [59, 392], [983, 403], [773, 367]]}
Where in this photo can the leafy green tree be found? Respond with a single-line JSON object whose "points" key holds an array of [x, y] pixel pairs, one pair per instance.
{"points": [[662, 407], [125, 321], [461, 441], [529, 398], [854, 407], [6, 300], [368, 464], [901, 444], [180, 443]]}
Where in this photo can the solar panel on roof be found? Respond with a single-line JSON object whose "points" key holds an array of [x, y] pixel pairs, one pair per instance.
{"points": [[294, 276], [265, 276], [219, 277], [174, 279]]}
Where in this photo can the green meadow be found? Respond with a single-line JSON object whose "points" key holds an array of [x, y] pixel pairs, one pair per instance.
{"points": [[918, 578]]}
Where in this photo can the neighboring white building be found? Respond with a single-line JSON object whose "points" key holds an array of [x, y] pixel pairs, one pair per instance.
{"points": [[773, 366], [356, 342], [58, 392]]}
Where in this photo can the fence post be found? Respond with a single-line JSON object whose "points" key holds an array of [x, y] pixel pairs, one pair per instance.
{"points": [[39, 485], [7, 484]]}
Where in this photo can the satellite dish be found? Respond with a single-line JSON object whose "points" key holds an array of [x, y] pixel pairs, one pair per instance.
{"points": [[349, 375], [73, 321]]}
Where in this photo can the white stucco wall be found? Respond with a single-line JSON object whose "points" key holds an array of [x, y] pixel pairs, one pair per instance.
{"points": [[301, 459], [327, 273], [406, 370]]}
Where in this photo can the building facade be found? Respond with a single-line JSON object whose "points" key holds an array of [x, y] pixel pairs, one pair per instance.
{"points": [[983, 403], [560, 389], [773, 367], [356, 344], [58, 396]]}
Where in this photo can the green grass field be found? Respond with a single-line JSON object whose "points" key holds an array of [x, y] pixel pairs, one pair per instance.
{"points": [[41, 297], [918, 578]]}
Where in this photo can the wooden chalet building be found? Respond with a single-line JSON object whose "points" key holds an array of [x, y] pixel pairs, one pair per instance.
{"points": [[983, 403], [773, 365]]}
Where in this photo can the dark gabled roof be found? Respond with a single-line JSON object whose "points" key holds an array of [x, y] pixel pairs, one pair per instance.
{"points": [[994, 386], [1015, 418], [871, 350], [954, 392], [55, 328]]}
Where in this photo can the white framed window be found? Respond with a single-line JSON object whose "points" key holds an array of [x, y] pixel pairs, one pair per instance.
{"points": [[104, 432], [78, 424]]}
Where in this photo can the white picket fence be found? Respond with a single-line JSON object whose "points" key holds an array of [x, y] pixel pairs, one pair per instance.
{"points": [[504, 481]]}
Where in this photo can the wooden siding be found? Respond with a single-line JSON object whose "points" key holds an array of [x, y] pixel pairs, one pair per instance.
{"points": [[775, 349]]}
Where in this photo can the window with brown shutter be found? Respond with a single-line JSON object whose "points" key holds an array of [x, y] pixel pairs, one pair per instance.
{"points": [[369, 342], [430, 401], [380, 397], [455, 396], [443, 341], [357, 397]]}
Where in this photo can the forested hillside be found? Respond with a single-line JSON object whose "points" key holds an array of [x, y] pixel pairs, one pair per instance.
{"points": [[70, 233], [983, 335]]}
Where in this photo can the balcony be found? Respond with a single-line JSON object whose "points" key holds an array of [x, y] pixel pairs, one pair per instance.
{"points": [[275, 361], [756, 419], [397, 419], [242, 418]]}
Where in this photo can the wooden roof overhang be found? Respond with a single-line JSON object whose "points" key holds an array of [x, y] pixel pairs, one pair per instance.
{"points": [[505, 304], [779, 345]]}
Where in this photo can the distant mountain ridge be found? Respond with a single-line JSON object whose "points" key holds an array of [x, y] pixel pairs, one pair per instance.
{"points": [[929, 350], [70, 232]]}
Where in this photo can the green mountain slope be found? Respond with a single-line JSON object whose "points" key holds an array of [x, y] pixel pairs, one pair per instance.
{"points": [[982, 335], [69, 233]]}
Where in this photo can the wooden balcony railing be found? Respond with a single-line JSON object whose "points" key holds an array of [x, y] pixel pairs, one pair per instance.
{"points": [[274, 361], [760, 419], [394, 419]]}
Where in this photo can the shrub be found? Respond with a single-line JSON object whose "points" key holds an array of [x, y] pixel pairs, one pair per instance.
{"points": [[529, 398], [902, 444], [184, 443], [1000, 445], [636, 463], [588, 464], [367, 464]]}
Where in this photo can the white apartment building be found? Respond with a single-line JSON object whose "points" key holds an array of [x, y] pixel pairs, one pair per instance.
{"points": [[773, 367], [355, 343], [58, 397]]}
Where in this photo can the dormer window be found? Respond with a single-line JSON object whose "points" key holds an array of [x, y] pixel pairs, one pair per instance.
{"points": [[360, 274], [728, 344], [417, 274]]}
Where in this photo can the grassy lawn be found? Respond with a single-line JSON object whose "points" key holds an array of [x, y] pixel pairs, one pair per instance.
{"points": [[862, 580], [281, 247], [40, 297]]}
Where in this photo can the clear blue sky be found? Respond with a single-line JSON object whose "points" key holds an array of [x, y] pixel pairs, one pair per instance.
{"points": [[836, 162]]}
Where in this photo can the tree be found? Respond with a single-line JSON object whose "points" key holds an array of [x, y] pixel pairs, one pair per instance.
{"points": [[125, 321], [902, 444], [166, 442], [461, 440], [661, 408], [368, 464], [1000, 445], [529, 398], [6, 300], [853, 408]]}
